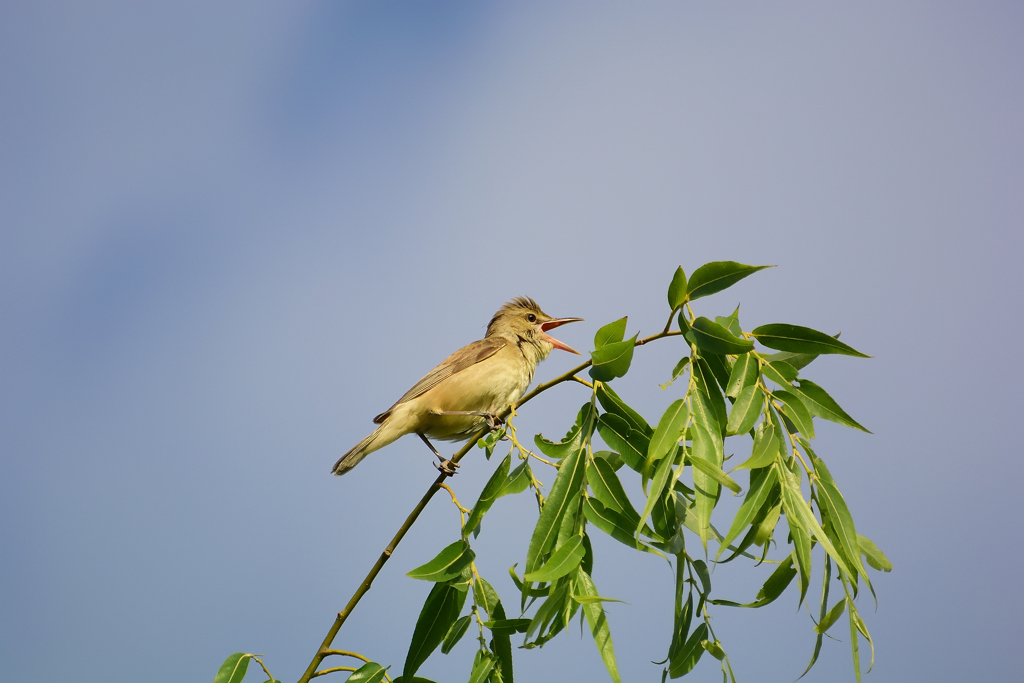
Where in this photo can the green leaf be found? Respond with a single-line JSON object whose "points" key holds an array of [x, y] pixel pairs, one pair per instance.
{"points": [[711, 337], [715, 276], [743, 375], [441, 609], [608, 489], [492, 490], [780, 372], [834, 506], [658, 482], [610, 333], [731, 323], [598, 624], [822, 611], [701, 567], [571, 442], [755, 499], [715, 472], [371, 672], [670, 430], [832, 616], [563, 560], [482, 665], [801, 340], [801, 557], [875, 557], [612, 360], [677, 370], [614, 524], [565, 493], [706, 448], [714, 649], [508, 625], [766, 447], [689, 654], [611, 402], [630, 444], [411, 679], [745, 411], [677, 289], [796, 411], [798, 511], [233, 668], [708, 404], [587, 599], [455, 634], [777, 583], [820, 404], [799, 361], [447, 565]]}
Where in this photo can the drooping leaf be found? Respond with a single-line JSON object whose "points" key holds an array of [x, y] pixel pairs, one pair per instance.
{"points": [[455, 633], [820, 404], [677, 370], [720, 366], [701, 568], [715, 276], [801, 557], [777, 583], [711, 337], [755, 499], [658, 482], [612, 360], [670, 429], [440, 610], [708, 403], [508, 626], [766, 447], [796, 411], [780, 372], [798, 511], [705, 486], [571, 442], [492, 490], [608, 489], [611, 333], [598, 623], [715, 472], [677, 289], [565, 493], [371, 672], [714, 649], [732, 322], [615, 524], [799, 339], [483, 662], [875, 557], [563, 560], [233, 669], [840, 519], [612, 403], [745, 411], [743, 375], [689, 654], [447, 565], [822, 612], [832, 616], [630, 444]]}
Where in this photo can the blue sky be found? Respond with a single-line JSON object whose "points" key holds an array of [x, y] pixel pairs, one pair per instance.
{"points": [[231, 234]]}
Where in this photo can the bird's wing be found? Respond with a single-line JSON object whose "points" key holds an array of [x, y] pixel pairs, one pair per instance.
{"points": [[465, 357]]}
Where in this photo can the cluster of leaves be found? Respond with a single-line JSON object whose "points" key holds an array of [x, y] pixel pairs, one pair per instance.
{"points": [[732, 390]]}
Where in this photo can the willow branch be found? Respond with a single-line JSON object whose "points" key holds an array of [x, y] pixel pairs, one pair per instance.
{"points": [[343, 615]]}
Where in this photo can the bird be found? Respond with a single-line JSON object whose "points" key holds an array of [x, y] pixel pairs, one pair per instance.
{"points": [[471, 388]]}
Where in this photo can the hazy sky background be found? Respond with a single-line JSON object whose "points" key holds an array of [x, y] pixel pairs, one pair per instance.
{"points": [[231, 233]]}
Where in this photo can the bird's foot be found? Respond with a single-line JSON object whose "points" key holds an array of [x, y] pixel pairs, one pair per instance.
{"points": [[447, 467], [494, 421]]}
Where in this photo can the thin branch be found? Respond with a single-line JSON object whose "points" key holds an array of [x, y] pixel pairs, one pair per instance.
{"points": [[343, 615]]}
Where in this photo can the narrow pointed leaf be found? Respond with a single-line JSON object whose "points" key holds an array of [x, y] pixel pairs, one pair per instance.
{"points": [[440, 610], [715, 276], [482, 665], [756, 497], [715, 472], [630, 444], [598, 625], [614, 524], [661, 476], [799, 512], [832, 616], [799, 339], [670, 429], [447, 565], [766, 447], [745, 411], [608, 489], [610, 333], [732, 322], [689, 654], [492, 489], [743, 375], [796, 411], [875, 557], [780, 372], [563, 560], [801, 557], [822, 612], [455, 634], [613, 403], [708, 403], [677, 289], [840, 519], [820, 404], [711, 337], [704, 485]]}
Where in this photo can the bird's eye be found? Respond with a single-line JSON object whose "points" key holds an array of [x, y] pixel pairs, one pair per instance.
{"points": [[531, 317]]}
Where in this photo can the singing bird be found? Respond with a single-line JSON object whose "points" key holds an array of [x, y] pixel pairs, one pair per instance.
{"points": [[472, 387]]}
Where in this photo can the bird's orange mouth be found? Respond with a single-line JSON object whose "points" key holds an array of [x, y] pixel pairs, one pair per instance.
{"points": [[552, 324]]}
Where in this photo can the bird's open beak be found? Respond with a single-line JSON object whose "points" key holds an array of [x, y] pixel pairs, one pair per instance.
{"points": [[552, 324]]}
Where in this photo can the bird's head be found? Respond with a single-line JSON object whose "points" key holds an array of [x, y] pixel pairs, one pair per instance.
{"points": [[522, 321]]}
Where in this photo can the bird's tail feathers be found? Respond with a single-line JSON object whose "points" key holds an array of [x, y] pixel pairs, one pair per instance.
{"points": [[389, 431]]}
